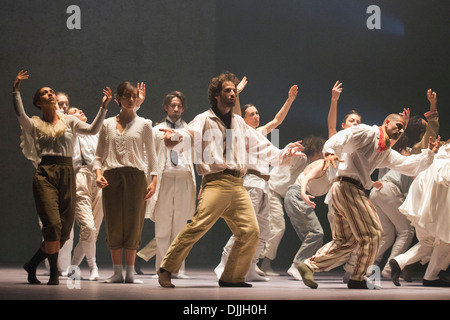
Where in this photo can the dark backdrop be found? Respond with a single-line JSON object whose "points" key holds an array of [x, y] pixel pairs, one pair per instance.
{"points": [[175, 44]]}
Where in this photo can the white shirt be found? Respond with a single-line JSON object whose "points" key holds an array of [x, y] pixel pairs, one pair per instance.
{"points": [[282, 177], [208, 135], [358, 147], [133, 147], [84, 149], [428, 201], [40, 138]]}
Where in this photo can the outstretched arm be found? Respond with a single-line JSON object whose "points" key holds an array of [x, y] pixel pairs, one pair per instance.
{"points": [[24, 120], [332, 113], [281, 115], [432, 129], [169, 138], [93, 128]]}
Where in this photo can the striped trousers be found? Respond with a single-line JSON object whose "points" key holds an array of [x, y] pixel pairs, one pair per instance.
{"points": [[355, 227]]}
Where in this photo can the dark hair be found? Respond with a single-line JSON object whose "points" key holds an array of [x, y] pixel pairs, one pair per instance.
{"points": [[174, 94], [37, 97], [244, 108], [122, 88], [415, 130], [313, 145], [401, 144], [350, 113], [215, 85]]}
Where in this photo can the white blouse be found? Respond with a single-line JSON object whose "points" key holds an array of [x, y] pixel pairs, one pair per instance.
{"points": [[133, 147], [40, 138]]}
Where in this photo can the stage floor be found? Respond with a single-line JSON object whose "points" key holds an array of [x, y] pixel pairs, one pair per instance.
{"points": [[203, 285]]}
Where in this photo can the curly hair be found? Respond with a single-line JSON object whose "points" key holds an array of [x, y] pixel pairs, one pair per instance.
{"points": [[215, 85]]}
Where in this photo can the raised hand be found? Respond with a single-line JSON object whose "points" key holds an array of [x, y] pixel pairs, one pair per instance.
{"points": [[107, 96], [434, 146], [240, 87], [405, 114], [432, 97], [293, 91], [22, 75], [141, 93], [336, 91]]}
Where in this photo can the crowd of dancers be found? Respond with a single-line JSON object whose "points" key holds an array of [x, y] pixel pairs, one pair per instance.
{"points": [[121, 170]]}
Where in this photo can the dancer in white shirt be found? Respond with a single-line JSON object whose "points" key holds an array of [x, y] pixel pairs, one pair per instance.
{"points": [[356, 225], [174, 201], [48, 141], [124, 159], [427, 207], [221, 157], [256, 182], [88, 208]]}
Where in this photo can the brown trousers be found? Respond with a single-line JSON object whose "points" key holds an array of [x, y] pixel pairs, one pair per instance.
{"points": [[54, 196], [124, 207]]}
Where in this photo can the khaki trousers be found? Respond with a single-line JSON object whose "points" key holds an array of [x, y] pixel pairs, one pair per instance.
{"points": [[223, 196], [124, 207], [355, 226]]}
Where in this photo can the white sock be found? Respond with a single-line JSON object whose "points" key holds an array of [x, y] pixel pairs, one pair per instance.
{"points": [[129, 275], [117, 277]]}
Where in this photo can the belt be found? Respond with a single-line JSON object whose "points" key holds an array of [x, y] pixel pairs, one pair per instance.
{"points": [[258, 174], [59, 160], [234, 173], [352, 181]]}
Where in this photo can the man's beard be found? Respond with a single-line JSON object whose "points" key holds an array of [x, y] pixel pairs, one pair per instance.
{"points": [[227, 104]]}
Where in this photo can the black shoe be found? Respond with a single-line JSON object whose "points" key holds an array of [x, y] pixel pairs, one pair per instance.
{"points": [[234, 285], [395, 272], [436, 283], [363, 284]]}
